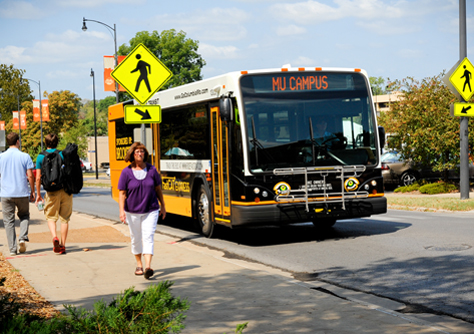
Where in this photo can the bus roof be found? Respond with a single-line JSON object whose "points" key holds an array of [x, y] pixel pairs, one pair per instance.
{"points": [[213, 88]]}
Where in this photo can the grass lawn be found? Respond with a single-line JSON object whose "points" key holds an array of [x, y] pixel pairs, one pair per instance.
{"points": [[451, 202]]}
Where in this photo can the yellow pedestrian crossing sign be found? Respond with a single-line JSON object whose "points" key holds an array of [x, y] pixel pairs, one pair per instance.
{"points": [[141, 74], [141, 114], [463, 79]]}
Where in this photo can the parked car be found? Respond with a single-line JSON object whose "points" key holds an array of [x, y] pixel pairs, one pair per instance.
{"points": [[86, 165], [396, 171]]}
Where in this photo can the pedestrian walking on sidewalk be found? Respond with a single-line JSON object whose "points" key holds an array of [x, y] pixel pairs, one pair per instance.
{"points": [[57, 203], [16, 170], [139, 192]]}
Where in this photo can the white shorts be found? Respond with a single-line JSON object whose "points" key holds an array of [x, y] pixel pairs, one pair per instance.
{"points": [[142, 231]]}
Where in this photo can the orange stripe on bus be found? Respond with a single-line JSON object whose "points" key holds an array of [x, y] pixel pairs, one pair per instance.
{"points": [[357, 70], [312, 200]]}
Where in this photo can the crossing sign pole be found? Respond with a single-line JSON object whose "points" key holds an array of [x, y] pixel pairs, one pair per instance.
{"points": [[464, 123], [460, 80]]}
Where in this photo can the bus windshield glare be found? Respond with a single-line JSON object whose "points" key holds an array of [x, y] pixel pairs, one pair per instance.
{"points": [[308, 119]]}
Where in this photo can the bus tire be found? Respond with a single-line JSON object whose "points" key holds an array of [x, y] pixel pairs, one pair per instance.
{"points": [[203, 212], [324, 223]]}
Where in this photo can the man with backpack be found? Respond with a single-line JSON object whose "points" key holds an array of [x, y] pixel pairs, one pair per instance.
{"points": [[16, 169], [52, 167]]}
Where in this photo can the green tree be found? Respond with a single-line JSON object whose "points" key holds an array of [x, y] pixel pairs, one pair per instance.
{"points": [[87, 115], [63, 112], [421, 126], [12, 88], [175, 51], [75, 135], [378, 85]]}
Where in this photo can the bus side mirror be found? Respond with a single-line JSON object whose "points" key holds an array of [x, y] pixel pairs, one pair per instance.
{"points": [[381, 137], [225, 108]]}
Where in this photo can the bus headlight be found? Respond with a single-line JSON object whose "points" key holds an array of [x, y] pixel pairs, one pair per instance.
{"points": [[373, 183], [366, 187], [256, 191], [265, 193]]}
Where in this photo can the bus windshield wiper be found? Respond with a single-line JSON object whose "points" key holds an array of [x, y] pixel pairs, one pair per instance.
{"points": [[313, 141]]}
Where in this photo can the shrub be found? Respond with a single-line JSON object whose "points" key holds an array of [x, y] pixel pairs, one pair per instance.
{"points": [[406, 189], [437, 188], [154, 310]]}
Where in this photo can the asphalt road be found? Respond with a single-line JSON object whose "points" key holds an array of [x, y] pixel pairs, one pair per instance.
{"points": [[422, 259]]}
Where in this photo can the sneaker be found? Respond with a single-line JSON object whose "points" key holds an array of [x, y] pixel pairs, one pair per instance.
{"points": [[62, 250], [12, 254], [56, 247], [22, 246]]}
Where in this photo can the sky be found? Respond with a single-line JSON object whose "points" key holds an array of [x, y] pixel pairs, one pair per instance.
{"points": [[392, 39]]}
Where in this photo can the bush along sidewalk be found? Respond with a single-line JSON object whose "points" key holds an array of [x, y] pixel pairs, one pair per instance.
{"points": [[154, 310], [428, 188]]}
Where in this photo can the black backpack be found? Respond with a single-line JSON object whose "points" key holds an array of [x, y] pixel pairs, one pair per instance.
{"points": [[52, 176], [73, 180]]}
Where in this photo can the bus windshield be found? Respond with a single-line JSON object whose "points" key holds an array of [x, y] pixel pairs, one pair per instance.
{"points": [[308, 119]]}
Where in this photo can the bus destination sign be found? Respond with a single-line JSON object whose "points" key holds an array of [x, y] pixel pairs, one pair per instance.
{"points": [[307, 82], [303, 82]]}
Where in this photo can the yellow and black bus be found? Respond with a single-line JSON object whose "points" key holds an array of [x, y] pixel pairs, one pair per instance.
{"points": [[263, 147]]}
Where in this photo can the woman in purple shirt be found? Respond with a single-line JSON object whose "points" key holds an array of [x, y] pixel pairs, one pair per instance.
{"points": [[139, 192]]}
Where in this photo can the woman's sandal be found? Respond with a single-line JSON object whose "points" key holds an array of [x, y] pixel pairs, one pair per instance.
{"points": [[139, 271], [148, 273]]}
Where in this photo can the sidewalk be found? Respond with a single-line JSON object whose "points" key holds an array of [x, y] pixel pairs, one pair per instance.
{"points": [[223, 292]]}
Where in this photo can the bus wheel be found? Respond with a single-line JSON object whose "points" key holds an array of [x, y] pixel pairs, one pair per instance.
{"points": [[324, 223], [203, 211]]}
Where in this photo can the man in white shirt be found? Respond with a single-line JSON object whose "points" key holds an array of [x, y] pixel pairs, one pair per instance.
{"points": [[16, 170]]}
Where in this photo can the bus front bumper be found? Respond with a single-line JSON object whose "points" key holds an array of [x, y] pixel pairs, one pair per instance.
{"points": [[281, 214]]}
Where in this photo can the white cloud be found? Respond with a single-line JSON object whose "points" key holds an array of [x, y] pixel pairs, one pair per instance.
{"points": [[215, 24], [13, 9], [96, 3], [302, 61], [380, 16], [69, 46], [290, 30], [218, 52], [11, 54]]}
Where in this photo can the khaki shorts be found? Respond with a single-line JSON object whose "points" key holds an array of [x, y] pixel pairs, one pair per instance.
{"points": [[58, 205]]}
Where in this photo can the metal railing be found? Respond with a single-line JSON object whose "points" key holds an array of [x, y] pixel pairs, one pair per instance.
{"points": [[306, 193]]}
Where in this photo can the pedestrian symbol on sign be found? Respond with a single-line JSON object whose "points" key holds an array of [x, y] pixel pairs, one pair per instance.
{"points": [[142, 67], [467, 75]]}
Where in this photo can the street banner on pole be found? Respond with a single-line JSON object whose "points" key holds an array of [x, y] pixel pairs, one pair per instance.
{"points": [[16, 121], [45, 110], [109, 82], [23, 119], [36, 111]]}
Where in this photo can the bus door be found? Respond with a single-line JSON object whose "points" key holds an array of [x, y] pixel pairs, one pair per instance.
{"points": [[220, 171]]}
